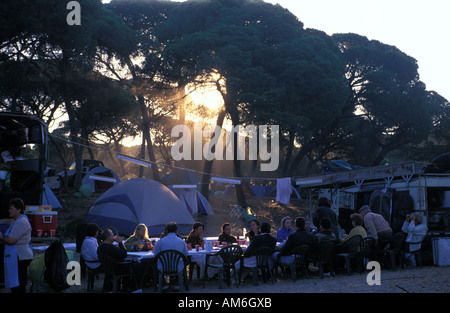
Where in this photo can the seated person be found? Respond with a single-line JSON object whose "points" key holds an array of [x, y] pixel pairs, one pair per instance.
{"points": [[262, 240], [196, 235], [89, 247], [325, 233], [226, 236], [416, 230], [285, 230], [308, 226], [171, 242], [118, 253], [254, 230], [296, 239], [139, 241], [358, 229]]}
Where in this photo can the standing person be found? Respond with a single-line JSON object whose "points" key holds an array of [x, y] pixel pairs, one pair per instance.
{"points": [[226, 236], [254, 230], [196, 235], [171, 242], [139, 241], [90, 246], [324, 211], [17, 253], [285, 230], [376, 226]]}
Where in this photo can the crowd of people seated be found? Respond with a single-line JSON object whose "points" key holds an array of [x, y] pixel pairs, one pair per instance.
{"points": [[293, 233]]}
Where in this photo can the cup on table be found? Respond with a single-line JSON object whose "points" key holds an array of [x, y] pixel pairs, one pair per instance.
{"points": [[197, 248], [189, 247], [39, 233], [148, 245], [52, 233]]}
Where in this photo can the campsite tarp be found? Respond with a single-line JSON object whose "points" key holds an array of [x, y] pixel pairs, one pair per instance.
{"points": [[98, 185], [180, 177], [140, 200], [49, 198], [195, 202], [263, 190]]}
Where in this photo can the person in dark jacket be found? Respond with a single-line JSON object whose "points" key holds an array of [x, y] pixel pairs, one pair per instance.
{"points": [[324, 211], [226, 235], [264, 239], [117, 253], [299, 238]]}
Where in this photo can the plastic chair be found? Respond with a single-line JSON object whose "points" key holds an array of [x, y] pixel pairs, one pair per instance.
{"points": [[327, 257], [352, 245], [91, 272], [299, 261], [367, 250], [396, 249], [262, 263], [170, 261], [115, 271], [229, 256], [417, 254]]}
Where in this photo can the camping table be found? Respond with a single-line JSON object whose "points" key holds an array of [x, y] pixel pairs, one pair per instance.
{"points": [[67, 246], [139, 256]]}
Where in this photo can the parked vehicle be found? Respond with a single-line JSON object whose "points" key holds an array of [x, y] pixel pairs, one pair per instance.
{"points": [[24, 154]]}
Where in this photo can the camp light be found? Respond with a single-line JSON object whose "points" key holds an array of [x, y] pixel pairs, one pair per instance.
{"points": [[102, 178], [308, 181], [226, 180], [184, 186], [132, 160]]}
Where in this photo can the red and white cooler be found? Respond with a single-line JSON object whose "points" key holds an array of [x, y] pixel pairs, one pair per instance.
{"points": [[43, 224]]}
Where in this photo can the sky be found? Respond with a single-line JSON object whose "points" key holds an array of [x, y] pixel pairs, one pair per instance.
{"points": [[419, 28]]}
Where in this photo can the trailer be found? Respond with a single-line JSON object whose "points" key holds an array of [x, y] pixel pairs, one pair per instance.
{"points": [[391, 190]]}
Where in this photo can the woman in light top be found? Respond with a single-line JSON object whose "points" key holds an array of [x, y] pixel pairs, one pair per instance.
{"points": [[18, 253], [139, 241]]}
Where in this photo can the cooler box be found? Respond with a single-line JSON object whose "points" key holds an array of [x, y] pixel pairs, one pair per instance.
{"points": [[43, 224], [441, 251]]}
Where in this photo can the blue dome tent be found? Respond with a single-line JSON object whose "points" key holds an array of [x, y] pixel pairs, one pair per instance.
{"points": [[195, 202], [140, 200]]}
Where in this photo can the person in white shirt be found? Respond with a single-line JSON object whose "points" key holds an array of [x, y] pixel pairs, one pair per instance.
{"points": [[171, 242], [90, 245], [416, 230]]}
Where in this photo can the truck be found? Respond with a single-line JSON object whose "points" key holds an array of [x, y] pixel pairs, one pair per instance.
{"points": [[24, 155]]}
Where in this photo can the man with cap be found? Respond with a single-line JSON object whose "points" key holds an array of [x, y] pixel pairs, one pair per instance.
{"points": [[377, 226]]}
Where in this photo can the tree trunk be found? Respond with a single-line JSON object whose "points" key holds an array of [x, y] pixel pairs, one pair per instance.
{"points": [[207, 165], [381, 155], [148, 139], [142, 155], [74, 129], [289, 151], [64, 185]]}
